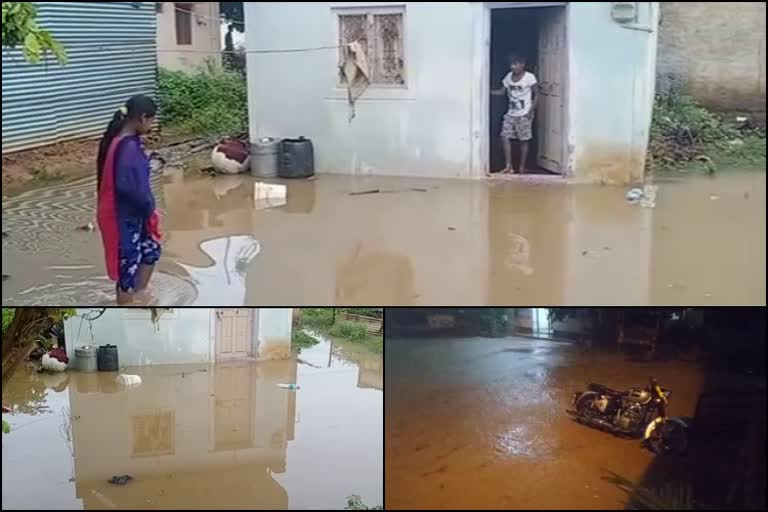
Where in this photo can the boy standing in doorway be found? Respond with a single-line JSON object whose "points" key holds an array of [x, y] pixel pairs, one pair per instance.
{"points": [[520, 88]]}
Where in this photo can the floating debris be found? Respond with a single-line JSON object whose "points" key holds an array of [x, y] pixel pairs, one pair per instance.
{"points": [[87, 227], [364, 192], [120, 480]]}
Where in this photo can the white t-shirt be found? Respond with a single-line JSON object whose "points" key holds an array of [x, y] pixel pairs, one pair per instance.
{"points": [[520, 93]]}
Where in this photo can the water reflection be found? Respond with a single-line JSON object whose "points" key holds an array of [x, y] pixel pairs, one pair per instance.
{"points": [[452, 242], [222, 436]]}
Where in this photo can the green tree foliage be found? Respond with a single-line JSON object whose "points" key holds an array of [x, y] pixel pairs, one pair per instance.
{"points": [[20, 29], [7, 317]]}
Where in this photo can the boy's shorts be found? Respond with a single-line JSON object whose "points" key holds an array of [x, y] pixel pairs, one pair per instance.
{"points": [[517, 127]]}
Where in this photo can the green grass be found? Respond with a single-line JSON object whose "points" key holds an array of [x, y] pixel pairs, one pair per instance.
{"points": [[349, 330], [685, 136], [317, 317], [750, 153], [321, 319], [6, 427]]}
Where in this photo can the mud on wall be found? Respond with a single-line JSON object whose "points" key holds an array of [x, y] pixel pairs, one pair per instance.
{"points": [[716, 52], [274, 333]]}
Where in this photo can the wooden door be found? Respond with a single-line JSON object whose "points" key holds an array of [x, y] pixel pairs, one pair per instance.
{"points": [[234, 333], [551, 112]]}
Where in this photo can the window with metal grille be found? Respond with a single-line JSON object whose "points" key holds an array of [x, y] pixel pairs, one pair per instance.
{"points": [[380, 34], [184, 24]]}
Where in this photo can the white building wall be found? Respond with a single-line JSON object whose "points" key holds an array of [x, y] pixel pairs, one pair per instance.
{"points": [[206, 37], [423, 130], [274, 327], [436, 127], [183, 335]]}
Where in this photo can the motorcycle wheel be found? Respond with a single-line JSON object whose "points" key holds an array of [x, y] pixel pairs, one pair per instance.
{"points": [[583, 404], [668, 438]]}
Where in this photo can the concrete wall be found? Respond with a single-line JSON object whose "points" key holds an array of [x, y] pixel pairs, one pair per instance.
{"points": [[435, 127], [716, 51], [610, 91], [184, 336], [422, 130], [274, 328], [206, 37]]}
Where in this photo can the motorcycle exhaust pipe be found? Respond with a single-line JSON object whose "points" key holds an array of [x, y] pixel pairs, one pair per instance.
{"points": [[599, 422]]}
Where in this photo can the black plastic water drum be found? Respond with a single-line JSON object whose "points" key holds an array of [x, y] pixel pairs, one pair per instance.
{"points": [[297, 158], [107, 358]]}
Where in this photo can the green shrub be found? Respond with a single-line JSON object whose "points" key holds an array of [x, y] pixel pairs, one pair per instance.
{"points": [[350, 330], [355, 502], [6, 427], [301, 339], [208, 102], [317, 316]]}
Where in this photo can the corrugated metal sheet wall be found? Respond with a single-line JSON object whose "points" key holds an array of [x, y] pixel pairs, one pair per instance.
{"points": [[112, 56]]}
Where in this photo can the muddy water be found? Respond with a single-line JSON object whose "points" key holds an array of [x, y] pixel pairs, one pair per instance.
{"points": [[193, 437], [413, 242], [480, 423]]}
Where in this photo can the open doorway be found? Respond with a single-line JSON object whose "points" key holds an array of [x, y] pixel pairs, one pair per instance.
{"points": [[538, 35]]}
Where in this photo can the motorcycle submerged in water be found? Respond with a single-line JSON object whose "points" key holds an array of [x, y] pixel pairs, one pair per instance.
{"points": [[634, 412]]}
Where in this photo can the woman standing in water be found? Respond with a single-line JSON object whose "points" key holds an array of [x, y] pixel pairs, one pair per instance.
{"points": [[128, 220]]}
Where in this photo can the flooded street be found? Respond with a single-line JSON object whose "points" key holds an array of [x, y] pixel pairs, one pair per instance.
{"points": [[480, 423], [222, 437], [501, 242]]}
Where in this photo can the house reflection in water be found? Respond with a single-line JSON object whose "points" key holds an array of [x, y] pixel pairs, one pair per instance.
{"points": [[189, 436]]}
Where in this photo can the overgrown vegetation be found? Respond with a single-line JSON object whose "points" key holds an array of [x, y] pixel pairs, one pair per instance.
{"points": [[684, 132], [355, 502], [208, 102], [30, 324], [7, 318], [317, 317], [349, 330], [20, 29], [301, 340], [6, 427], [329, 321]]}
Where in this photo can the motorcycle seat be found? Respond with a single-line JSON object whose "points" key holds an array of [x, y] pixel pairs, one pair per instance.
{"points": [[599, 388]]}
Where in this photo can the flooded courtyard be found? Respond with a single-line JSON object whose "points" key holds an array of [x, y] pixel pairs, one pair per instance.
{"points": [[225, 436], [393, 241], [480, 423]]}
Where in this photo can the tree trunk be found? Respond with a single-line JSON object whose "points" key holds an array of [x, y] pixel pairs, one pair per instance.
{"points": [[23, 318]]}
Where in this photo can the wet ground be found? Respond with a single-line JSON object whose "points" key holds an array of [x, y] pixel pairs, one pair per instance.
{"points": [[411, 241], [480, 423], [192, 437]]}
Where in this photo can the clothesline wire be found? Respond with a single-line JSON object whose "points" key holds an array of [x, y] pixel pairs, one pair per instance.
{"points": [[204, 17], [104, 47], [242, 23]]}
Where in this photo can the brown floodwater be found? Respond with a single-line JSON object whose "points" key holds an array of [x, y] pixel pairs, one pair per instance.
{"points": [[199, 437], [414, 241], [474, 423]]}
